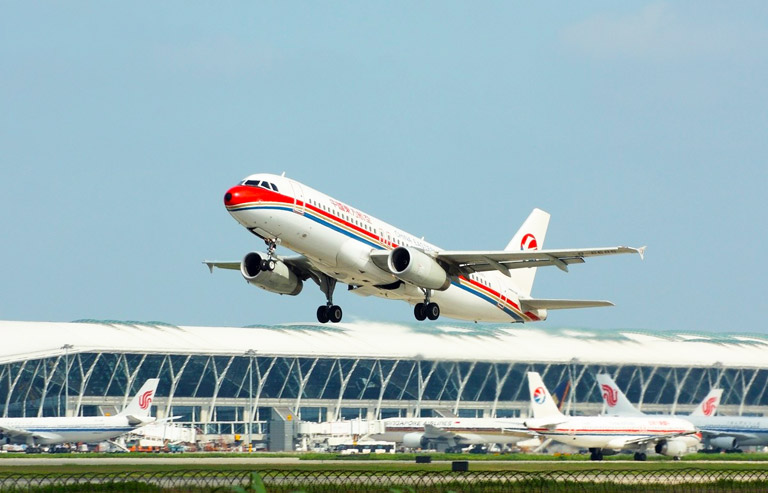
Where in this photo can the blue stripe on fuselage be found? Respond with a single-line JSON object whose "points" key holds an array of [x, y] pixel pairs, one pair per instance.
{"points": [[350, 234]]}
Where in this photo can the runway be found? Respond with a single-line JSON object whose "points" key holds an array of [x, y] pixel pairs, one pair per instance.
{"points": [[280, 461]]}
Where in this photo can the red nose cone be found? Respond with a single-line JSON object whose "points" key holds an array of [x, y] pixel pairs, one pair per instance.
{"points": [[242, 194]]}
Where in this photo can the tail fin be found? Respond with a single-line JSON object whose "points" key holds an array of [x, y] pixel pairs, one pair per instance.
{"points": [[142, 402], [530, 236], [708, 406], [616, 402], [560, 394], [541, 401]]}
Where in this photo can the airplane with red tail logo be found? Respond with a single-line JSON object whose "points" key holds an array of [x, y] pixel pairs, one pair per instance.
{"points": [[718, 432], [670, 436], [339, 243], [617, 403], [81, 429]]}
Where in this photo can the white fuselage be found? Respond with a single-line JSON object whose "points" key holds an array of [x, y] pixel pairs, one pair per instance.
{"points": [[749, 430], [469, 431], [67, 430], [338, 240], [614, 432]]}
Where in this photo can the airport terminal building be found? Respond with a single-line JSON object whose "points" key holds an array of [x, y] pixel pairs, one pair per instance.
{"points": [[215, 378]]}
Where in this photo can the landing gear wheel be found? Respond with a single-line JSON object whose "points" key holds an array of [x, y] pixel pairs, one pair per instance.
{"points": [[322, 314], [268, 264], [334, 313], [640, 456], [420, 311], [433, 311]]}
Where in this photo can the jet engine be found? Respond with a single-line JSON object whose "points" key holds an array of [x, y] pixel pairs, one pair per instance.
{"points": [[416, 267], [725, 443], [671, 448], [414, 440], [278, 280]]}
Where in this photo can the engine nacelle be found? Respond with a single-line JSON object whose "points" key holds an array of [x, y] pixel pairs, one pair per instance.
{"points": [[280, 280], [725, 443], [414, 440], [416, 267], [671, 448]]}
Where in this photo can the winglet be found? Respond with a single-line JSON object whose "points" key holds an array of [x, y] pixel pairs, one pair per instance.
{"points": [[209, 264], [641, 252]]}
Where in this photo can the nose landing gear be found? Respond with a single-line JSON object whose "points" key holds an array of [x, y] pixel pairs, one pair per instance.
{"points": [[269, 263]]}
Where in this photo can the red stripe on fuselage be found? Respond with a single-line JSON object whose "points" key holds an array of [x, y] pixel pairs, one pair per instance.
{"points": [[595, 431]]}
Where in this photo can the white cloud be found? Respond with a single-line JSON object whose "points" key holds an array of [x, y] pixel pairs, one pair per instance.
{"points": [[658, 31]]}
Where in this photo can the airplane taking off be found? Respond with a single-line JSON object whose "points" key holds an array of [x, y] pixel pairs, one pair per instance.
{"points": [[87, 429], [337, 242], [718, 432], [666, 435]]}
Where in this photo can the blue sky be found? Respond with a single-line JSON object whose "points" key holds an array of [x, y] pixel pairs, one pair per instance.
{"points": [[638, 123]]}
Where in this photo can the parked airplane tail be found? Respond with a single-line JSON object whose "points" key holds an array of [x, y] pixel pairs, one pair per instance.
{"points": [[616, 402], [530, 236], [142, 402], [542, 404], [560, 394], [708, 406]]}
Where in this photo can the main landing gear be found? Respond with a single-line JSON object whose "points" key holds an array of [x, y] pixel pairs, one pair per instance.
{"points": [[595, 454], [328, 312], [427, 309], [640, 456]]}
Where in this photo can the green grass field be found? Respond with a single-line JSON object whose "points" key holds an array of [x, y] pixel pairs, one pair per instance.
{"points": [[397, 462]]}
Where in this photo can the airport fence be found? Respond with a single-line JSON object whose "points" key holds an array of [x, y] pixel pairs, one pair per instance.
{"points": [[273, 481]]}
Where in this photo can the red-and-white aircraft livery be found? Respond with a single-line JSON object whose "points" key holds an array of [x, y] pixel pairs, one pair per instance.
{"points": [[337, 242]]}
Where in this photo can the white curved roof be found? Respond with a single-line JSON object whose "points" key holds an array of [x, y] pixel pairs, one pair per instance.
{"points": [[430, 341]]}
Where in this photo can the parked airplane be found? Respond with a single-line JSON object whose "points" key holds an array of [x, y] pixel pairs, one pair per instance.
{"points": [[617, 404], [337, 242], [667, 436], [450, 434], [87, 429], [718, 432]]}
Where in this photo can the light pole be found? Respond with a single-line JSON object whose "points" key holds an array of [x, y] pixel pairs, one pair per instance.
{"points": [[251, 354], [66, 348]]}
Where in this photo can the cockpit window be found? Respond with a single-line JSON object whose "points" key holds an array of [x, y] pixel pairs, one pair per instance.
{"points": [[259, 183]]}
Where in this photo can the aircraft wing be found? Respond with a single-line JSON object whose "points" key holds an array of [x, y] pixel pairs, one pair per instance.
{"points": [[549, 423], [299, 264], [738, 436], [20, 433], [645, 440], [467, 262], [221, 265], [433, 432]]}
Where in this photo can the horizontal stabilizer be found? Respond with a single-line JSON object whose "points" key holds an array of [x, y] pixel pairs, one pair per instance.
{"points": [[541, 304]]}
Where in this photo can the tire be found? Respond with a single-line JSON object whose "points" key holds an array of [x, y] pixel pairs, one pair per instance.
{"points": [[419, 311], [433, 311], [322, 314], [334, 314], [271, 264]]}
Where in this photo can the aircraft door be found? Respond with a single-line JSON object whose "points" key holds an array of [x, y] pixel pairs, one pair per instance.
{"points": [[503, 298], [298, 197]]}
